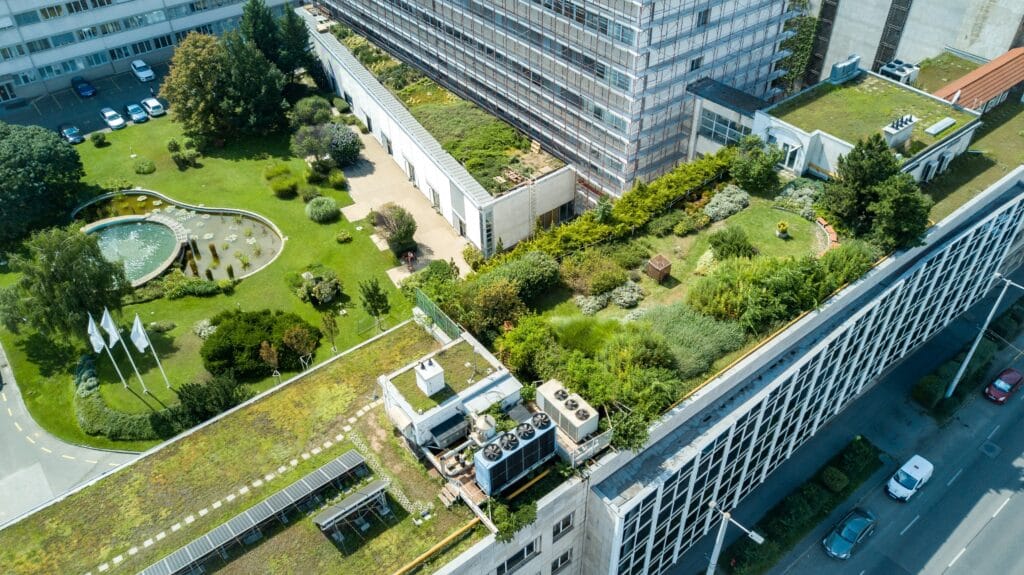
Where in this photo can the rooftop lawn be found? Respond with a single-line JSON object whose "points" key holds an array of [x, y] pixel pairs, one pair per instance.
{"points": [[861, 107], [497, 155], [457, 376], [941, 70], [1000, 141], [231, 177], [140, 500]]}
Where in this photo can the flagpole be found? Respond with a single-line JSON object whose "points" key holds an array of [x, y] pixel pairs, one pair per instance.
{"points": [[117, 369], [132, 361], [139, 333], [158, 364], [102, 343]]}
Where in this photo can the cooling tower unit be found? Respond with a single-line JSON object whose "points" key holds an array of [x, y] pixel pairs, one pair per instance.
{"points": [[514, 453], [571, 413]]}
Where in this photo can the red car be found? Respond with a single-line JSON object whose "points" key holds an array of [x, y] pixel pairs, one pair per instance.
{"points": [[1004, 385]]}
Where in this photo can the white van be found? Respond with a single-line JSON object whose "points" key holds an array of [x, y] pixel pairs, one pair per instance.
{"points": [[909, 478]]}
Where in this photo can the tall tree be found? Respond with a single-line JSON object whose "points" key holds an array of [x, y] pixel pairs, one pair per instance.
{"points": [[201, 401], [375, 299], [301, 341], [196, 86], [268, 353], [329, 325], [39, 175], [294, 50], [252, 107], [900, 214], [259, 28], [847, 198], [63, 277], [754, 167]]}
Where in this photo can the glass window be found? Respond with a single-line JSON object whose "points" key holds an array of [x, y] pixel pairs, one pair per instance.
{"points": [[51, 12], [519, 558], [26, 18], [703, 17], [63, 39], [38, 45], [562, 527], [561, 562]]}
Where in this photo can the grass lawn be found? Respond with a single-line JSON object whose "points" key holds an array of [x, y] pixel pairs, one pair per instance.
{"points": [[231, 177], [1001, 143], [140, 500], [941, 70], [457, 376]]}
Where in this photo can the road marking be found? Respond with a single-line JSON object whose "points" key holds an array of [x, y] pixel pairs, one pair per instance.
{"points": [[994, 430], [957, 556], [65, 456], [10, 412], [30, 440], [91, 461], [911, 524], [46, 450], [18, 425], [4, 395], [958, 472], [112, 464], [1001, 507]]}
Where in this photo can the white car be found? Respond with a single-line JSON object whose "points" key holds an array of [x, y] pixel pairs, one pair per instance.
{"points": [[142, 71], [910, 478], [153, 107], [112, 119]]}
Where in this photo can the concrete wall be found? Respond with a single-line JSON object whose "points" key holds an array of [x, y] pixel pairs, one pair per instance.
{"points": [[515, 217]]}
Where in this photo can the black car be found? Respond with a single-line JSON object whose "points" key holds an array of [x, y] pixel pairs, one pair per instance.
{"points": [[851, 530], [82, 87], [70, 133]]}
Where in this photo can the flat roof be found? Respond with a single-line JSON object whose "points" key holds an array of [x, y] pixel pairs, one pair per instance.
{"points": [[463, 366], [861, 107], [727, 96], [357, 499]]}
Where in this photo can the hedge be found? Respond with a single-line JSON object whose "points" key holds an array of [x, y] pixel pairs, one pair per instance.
{"points": [[95, 417]]}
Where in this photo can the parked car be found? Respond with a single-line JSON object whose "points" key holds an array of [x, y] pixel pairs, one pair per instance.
{"points": [[1004, 386], [852, 529], [112, 119], [153, 107], [142, 71], [71, 134], [910, 478], [136, 114], [82, 87]]}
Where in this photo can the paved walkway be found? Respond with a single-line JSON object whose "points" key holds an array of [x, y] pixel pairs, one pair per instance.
{"points": [[378, 180], [35, 466]]}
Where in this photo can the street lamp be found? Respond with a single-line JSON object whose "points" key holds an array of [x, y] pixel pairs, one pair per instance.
{"points": [[726, 520], [984, 327]]}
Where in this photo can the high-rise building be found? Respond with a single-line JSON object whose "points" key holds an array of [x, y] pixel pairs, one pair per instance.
{"points": [[600, 84], [43, 44]]}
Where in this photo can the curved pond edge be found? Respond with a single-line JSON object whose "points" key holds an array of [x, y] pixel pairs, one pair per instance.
{"points": [[200, 209], [176, 228]]}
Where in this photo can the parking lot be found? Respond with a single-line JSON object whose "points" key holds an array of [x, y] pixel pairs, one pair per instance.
{"points": [[66, 107]]}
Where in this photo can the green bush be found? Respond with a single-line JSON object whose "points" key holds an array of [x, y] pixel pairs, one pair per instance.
{"points": [[173, 146], [731, 242], [629, 254], [590, 272], [398, 228], [316, 177], [606, 280], [177, 285], [691, 223], [235, 345], [336, 179], [362, 127], [696, 340], [144, 166], [161, 326], [663, 225], [322, 210], [275, 170], [929, 391], [308, 192], [284, 187], [342, 105], [310, 111], [535, 273], [473, 256], [96, 418], [834, 480], [98, 139], [343, 237], [726, 202]]}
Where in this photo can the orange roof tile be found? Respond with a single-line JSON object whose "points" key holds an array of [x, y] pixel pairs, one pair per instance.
{"points": [[987, 82]]}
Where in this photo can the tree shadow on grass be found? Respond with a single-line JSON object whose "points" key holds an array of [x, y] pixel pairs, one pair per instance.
{"points": [[272, 146], [962, 170], [50, 356]]}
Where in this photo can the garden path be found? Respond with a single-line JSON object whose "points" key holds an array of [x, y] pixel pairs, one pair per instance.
{"points": [[378, 180]]}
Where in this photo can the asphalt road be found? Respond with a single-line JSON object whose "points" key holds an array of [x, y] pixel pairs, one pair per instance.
{"points": [[35, 466]]}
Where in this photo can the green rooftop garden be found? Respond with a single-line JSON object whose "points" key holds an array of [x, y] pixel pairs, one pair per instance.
{"points": [[497, 155], [139, 501], [462, 368], [941, 70], [861, 107]]}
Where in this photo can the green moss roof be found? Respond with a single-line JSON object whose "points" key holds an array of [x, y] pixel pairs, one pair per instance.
{"points": [[941, 70], [457, 376]]}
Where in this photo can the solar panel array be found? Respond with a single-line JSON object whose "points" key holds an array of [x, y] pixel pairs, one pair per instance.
{"points": [[334, 513], [241, 524]]}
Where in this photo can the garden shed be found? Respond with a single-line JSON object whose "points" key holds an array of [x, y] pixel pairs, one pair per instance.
{"points": [[659, 268]]}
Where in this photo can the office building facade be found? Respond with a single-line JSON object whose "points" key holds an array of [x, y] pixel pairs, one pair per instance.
{"points": [[43, 44], [600, 84]]}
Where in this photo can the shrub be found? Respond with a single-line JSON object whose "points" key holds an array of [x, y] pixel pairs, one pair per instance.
{"points": [[362, 127], [627, 295], [690, 223], [726, 202], [398, 228], [322, 210], [474, 257], [235, 345], [315, 177], [591, 304], [177, 285], [336, 179], [343, 237], [284, 188], [534, 273], [310, 111], [663, 225], [705, 263], [191, 157], [799, 196], [98, 139], [276, 170], [321, 289], [161, 326], [833, 479], [696, 340], [627, 255], [173, 146], [144, 166], [203, 328], [342, 105], [96, 418], [308, 192], [731, 242], [592, 273]]}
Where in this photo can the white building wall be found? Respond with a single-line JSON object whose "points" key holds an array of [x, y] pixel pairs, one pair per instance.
{"points": [[516, 213]]}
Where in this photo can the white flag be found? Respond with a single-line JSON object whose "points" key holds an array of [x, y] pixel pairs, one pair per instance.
{"points": [[95, 337], [107, 323], [139, 337]]}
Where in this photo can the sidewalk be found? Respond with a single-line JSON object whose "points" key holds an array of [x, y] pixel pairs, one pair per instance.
{"points": [[886, 415]]}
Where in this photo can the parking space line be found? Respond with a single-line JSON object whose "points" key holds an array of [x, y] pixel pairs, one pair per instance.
{"points": [[46, 450], [4, 395], [66, 456], [29, 438], [1001, 507], [911, 524], [18, 425], [91, 461], [957, 474], [993, 432], [9, 412], [957, 556]]}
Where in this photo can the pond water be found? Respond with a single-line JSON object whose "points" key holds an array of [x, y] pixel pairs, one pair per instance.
{"points": [[141, 246]]}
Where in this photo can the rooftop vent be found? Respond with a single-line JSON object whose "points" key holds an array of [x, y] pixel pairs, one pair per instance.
{"points": [[429, 376], [525, 431], [540, 420], [492, 452], [582, 414], [898, 131], [508, 441], [571, 404], [845, 71], [561, 395]]}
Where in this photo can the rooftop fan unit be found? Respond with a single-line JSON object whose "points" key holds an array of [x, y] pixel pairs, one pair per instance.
{"points": [[508, 441], [525, 431], [571, 404], [492, 452], [517, 452], [570, 412], [540, 421], [561, 394], [582, 414]]}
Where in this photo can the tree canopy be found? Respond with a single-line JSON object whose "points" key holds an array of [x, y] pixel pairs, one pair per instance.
{"points": [[900, 213], [294, 52], [63, 277], [375, 299], [259, 29], [754, 167], [40, 175]]}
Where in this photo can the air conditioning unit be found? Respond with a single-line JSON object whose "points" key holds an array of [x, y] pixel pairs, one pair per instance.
{"points": [[571, 413], [900, 71], [514, 453], [429, 377]]}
